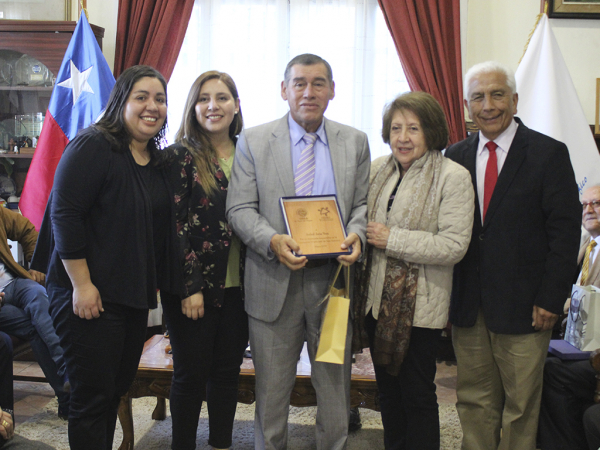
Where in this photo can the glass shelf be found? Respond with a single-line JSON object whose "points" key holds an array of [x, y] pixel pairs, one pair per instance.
{"points": [[26, 88], [16, 155]]}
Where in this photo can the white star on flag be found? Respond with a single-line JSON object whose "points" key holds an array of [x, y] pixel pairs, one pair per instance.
{"points": [[78, 81]]}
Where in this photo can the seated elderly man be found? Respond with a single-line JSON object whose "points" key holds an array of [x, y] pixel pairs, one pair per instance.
{"points": [[569, 419], [25, 304]]}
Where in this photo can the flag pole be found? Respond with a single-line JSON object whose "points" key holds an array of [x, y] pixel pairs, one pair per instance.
{"points": [[537, 20], [83, 7]]}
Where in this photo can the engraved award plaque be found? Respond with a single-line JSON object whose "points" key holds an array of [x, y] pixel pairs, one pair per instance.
{"points": [[315, 223]]}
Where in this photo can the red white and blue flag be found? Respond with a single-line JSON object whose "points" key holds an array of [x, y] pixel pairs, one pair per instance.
{"points": [[78, 99]]}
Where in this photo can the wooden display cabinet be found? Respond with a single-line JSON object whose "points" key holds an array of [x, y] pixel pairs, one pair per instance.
{"points": [[46, 41]]}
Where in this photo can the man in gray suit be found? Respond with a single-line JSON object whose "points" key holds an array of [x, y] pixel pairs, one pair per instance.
{"points": [[569, 418], [283, 292]]}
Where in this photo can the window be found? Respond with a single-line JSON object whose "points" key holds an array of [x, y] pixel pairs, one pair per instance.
{"points": [[253, 40]]}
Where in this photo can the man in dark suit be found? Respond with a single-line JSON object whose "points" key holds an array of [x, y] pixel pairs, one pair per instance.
{"points": [[519, 268], [569, 418]]}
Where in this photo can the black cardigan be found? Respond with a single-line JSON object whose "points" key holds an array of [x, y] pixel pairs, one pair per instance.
{"points": [[100, 211]]}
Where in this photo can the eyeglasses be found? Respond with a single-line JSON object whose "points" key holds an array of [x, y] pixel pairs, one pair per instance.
{"points": [[594, 204]]}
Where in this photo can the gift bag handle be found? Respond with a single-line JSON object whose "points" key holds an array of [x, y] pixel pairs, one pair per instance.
{"points": [[347, 277]]}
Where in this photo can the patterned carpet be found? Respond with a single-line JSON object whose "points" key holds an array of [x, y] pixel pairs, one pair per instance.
{"points": [[155, 435]]}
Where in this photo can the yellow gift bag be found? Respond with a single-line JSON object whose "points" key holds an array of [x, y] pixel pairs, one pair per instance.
{"points": [[334, 326]]}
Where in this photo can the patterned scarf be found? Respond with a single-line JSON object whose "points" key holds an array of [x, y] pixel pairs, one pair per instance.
{"points": [[397, 310]]}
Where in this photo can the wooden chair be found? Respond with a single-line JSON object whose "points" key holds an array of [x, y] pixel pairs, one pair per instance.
{"points": [[22, 352]]}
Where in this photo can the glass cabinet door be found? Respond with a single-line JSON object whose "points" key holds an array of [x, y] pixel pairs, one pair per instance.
{"points": [[25, 89]]}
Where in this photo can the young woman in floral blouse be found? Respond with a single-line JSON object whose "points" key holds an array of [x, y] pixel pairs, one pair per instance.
{"points": [[209, 328]]}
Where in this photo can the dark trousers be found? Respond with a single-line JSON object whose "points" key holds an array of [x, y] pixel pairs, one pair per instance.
{"points": [[102, 356], [409, 408], [6, 372], [6, 375], [568, 404], [25, 315], [31, 297], [207, 355]]}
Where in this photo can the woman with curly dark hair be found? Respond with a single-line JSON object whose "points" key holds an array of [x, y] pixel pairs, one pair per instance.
{"points": [[114, 244]]}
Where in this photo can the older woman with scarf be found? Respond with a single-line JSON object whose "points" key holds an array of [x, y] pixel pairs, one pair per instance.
{"points": [[420, 211]]}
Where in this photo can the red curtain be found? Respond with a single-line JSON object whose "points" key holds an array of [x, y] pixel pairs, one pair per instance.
{"points": [[427, 37], [151, 32]]}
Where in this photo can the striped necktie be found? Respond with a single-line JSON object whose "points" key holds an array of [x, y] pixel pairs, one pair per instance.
{"points": [[585, 268], [305, 172]]}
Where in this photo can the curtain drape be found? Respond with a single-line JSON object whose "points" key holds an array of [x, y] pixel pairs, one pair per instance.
{"points": [[427, 38], [151, 32], [253, 40]]}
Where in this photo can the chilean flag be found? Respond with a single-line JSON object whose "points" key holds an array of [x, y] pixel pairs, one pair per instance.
{"points": [[78, 99]]}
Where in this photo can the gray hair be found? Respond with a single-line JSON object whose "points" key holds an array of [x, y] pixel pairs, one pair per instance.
{"points": [[594, 186], [489, 67], [307, 59]]}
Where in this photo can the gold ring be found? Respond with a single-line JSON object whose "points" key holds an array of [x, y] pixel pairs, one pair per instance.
{"points": [[5, 424]]}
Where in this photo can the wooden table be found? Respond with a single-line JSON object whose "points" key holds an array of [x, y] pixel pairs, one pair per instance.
{"points": [[153, 379]]}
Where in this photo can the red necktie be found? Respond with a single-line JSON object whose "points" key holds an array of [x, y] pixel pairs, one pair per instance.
{"points": [[491, 175]]}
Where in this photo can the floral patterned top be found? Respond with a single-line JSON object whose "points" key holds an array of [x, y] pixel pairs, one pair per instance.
{"points": [[204, 234]]}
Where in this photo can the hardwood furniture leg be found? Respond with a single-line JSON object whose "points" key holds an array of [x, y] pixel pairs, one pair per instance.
{"points": [[126, 419], [155, 374], [160, 412]]}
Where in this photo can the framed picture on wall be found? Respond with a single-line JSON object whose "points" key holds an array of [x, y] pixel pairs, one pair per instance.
{"points": [[597, 127], [36, 9], [573, 9]]}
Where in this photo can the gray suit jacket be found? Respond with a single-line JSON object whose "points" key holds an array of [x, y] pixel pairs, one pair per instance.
{"points": [[262, 174], [594, 271]]}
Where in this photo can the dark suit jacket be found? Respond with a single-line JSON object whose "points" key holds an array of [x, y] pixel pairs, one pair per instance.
{"points": [[525, 253]]}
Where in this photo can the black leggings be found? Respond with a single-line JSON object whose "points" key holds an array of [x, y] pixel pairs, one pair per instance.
{"points": [[102, 357], [207, 355], [409, 408]]}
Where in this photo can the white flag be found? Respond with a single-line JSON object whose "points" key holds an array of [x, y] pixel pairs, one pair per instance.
{"points": [[548, 103]]}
